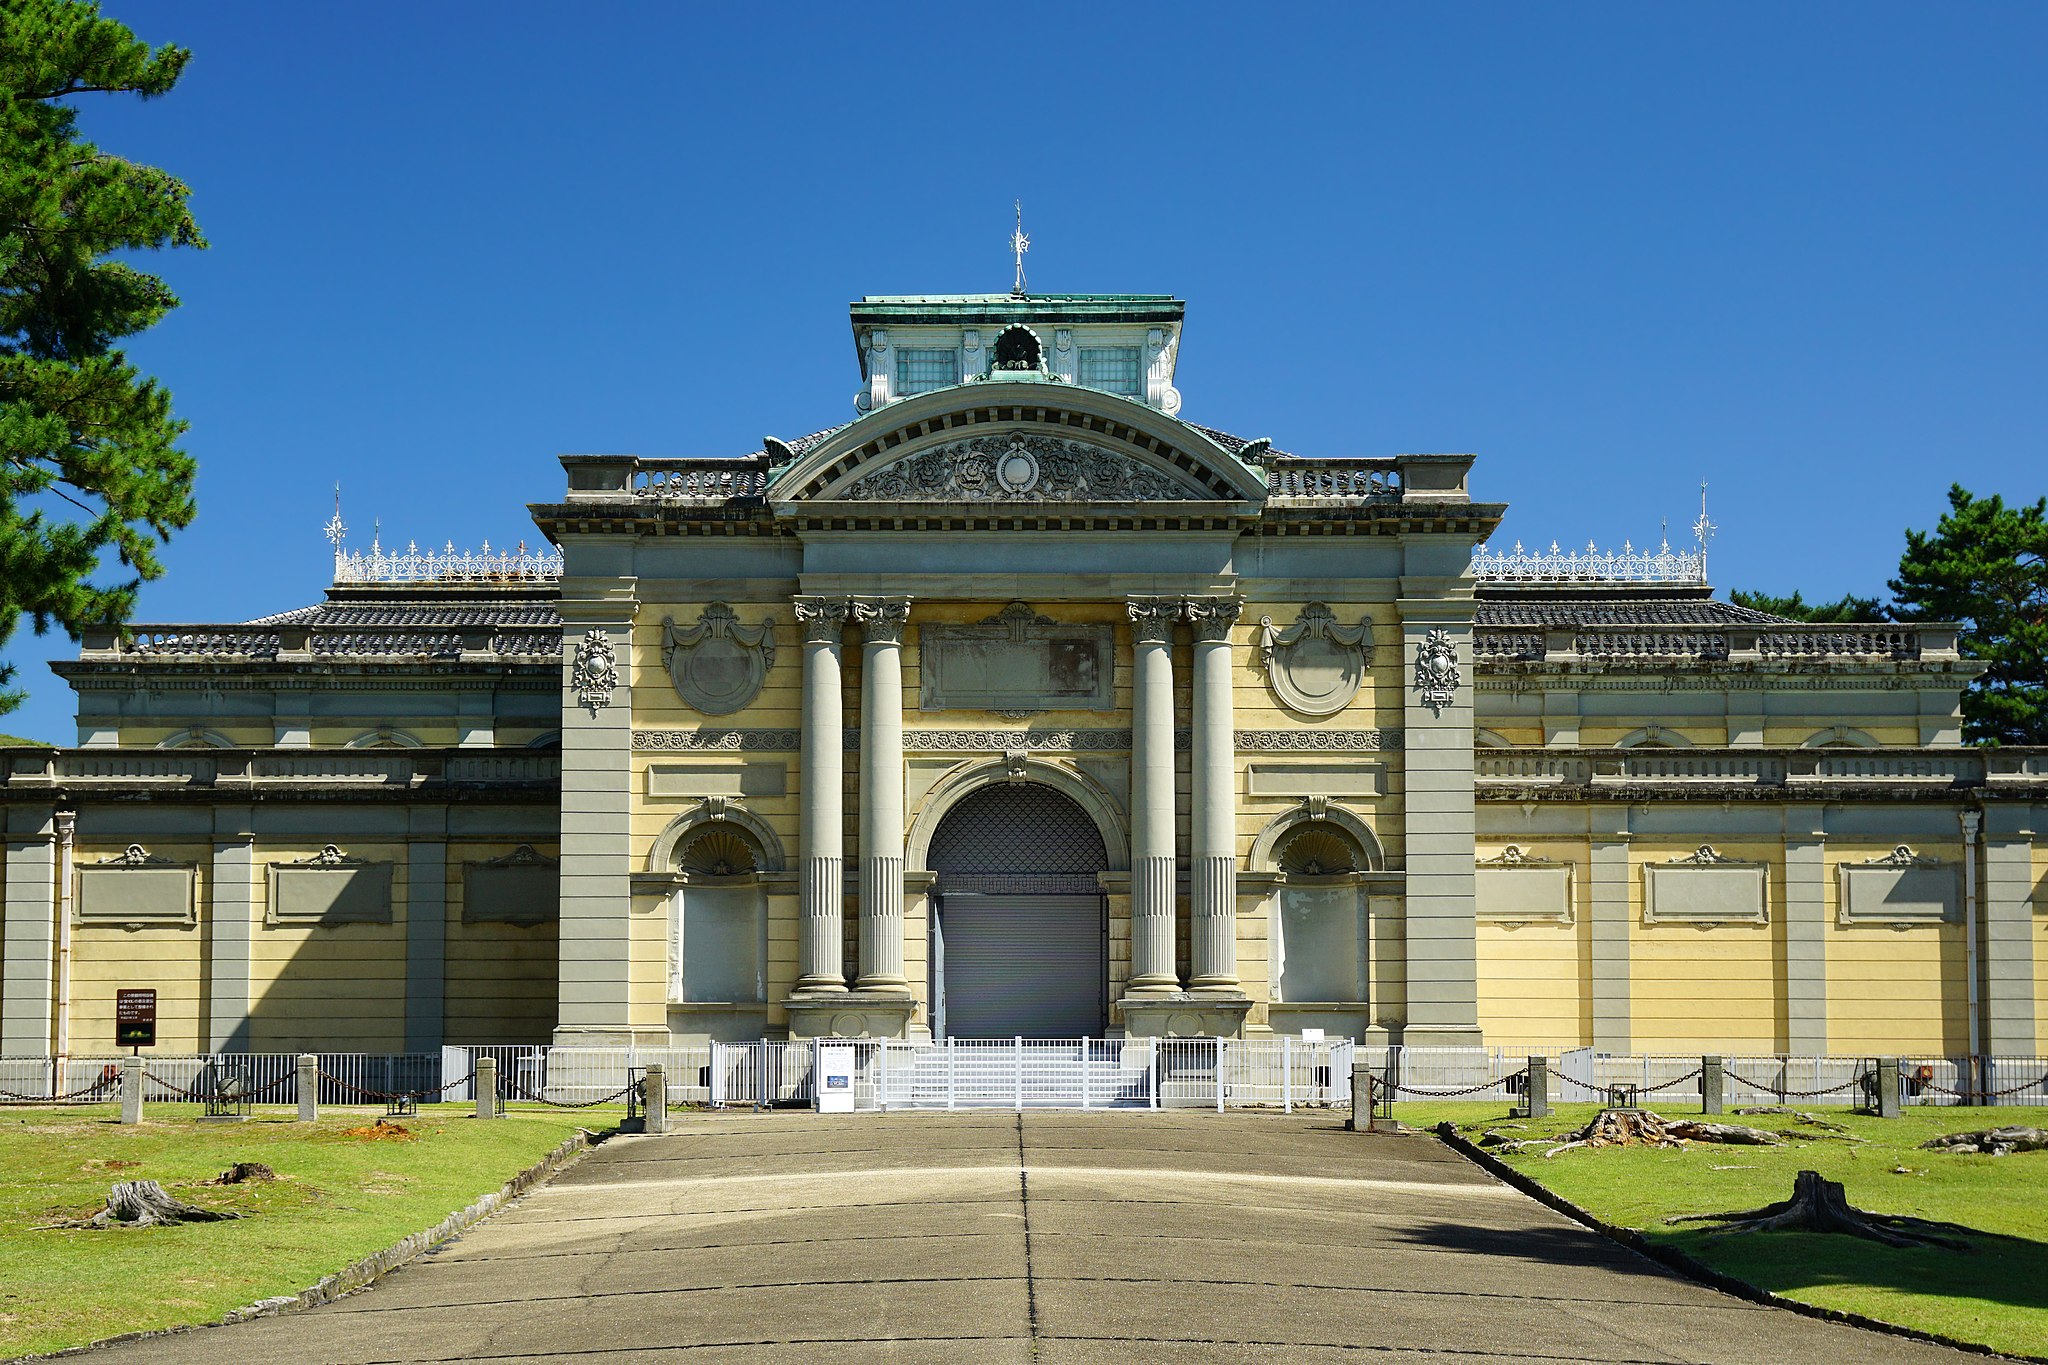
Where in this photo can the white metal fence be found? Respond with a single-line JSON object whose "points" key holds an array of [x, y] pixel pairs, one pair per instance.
{"points": [[1017, 1073]]}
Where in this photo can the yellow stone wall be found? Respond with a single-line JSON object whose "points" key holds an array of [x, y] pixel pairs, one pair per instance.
{"points": [[1696, 987], [1893, 988], [1533, 976], [311, 986], [171, 960], [499, 979]]}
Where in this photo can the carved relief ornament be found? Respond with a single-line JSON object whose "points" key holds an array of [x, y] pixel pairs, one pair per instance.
{"points": [[823, 619], [1152, 619], [718, 665], [595, 672], [882, 619], [1212, 617], [1018, 467], [1315, 666], [1436, 670]]}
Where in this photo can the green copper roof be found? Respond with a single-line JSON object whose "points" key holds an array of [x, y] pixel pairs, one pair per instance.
{"points": [[883, 309]]}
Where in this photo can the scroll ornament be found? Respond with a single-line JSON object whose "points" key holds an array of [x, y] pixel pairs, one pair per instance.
{"points": [[718, 665]]}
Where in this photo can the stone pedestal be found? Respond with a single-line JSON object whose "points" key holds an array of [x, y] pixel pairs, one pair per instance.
{"points": [[1184, 1014], [850, 1014]]}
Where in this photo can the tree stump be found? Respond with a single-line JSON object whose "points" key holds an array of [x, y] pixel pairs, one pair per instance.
{"points": [[243, 1171], [144, 1204], [1818, 1205], [1626, 1127], [1991, 1141]]}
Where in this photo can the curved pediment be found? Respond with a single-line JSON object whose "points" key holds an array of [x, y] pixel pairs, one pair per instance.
{"points": [[1017, 442]]}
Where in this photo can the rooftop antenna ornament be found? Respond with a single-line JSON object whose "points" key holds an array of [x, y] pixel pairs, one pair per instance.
{"points": [[1019, 244], [1703, 529], [335, 530]]}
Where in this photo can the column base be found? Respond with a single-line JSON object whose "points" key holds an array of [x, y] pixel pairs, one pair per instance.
{"points": [[624, 1036], [1442, 1035], [1184, 1014], [851, 1014]]}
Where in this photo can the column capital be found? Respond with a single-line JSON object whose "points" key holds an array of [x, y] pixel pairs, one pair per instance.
{"points": [[823, 619], [1212, 617], [1152, 619], [882, 618]]}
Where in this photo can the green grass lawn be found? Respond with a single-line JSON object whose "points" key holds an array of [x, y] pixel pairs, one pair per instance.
{"points": [[337, 1198], [1996, 1294]]}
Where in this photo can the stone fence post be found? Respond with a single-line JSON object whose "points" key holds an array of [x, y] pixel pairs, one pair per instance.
{"points": [[131, 1089], [309, 1087], [654, 1094], [1713, 1085], [1361, 1097], [1887, 1087], [1539, 1087], [487, 1087]]}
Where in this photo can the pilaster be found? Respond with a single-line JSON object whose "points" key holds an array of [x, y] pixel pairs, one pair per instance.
{"points": [[230, 928], [1440, 932], [28, 966], [2007, 890], [1806, 932], [1610, 922], [426, 929], [596, 945]]}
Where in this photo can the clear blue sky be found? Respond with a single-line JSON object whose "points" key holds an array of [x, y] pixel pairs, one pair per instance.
{"points": [[1796, 250]]}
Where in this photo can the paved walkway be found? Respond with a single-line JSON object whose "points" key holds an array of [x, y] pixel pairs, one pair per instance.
{"points": [[1048, 1237]]}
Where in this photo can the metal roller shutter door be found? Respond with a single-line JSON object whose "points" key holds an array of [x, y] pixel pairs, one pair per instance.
{"points": [[1029, 965]]}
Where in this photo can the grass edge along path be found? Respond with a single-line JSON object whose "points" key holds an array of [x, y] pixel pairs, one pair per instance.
{"points": [[1991, 1299], [346, 1209]]}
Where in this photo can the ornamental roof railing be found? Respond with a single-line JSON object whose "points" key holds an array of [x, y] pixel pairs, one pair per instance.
{"points": [[447, 565], [1592, 565]]}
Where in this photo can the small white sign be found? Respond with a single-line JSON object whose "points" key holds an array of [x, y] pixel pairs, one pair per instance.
{"points": [[834, 1089], [1311, 1035]]}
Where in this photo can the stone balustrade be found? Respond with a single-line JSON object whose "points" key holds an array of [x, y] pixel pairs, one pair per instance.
{"points": [[305, 644], [256, 771], [1504, 772], [1765, 643]]}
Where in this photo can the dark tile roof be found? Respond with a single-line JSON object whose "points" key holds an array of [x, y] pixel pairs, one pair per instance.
{"points": [[1546, 612], [417, 614], [1234, 444]]}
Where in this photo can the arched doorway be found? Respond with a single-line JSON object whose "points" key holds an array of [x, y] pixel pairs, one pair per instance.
{"points": [[1020, 937]]}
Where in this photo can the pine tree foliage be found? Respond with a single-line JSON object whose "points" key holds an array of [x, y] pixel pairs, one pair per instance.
{"points": [[90, 466], [1985, 566], [1849, 607]]}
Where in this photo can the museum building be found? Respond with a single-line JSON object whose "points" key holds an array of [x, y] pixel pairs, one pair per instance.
{"points": [[1022, 706]]}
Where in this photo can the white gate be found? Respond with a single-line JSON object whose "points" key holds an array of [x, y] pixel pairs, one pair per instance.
{"points": [[1032, 1073]]}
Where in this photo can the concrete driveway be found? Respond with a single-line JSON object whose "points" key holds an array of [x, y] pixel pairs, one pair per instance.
{"points": [[1050, 1237]]}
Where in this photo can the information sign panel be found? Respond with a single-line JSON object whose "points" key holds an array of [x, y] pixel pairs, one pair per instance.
{"points": [[135, 1018], [834, 1089]]}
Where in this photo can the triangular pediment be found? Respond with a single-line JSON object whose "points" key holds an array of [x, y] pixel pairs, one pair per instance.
{"points": [[1017, 443]]}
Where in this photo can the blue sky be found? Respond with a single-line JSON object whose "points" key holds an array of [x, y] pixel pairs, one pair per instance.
{"points": [[1795, 250]]}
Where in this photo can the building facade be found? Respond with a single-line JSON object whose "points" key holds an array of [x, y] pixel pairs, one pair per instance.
{"points": [[1020, 705]]}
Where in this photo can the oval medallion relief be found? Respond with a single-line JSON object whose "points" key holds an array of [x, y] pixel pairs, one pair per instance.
{"points": [[1315, 666]]}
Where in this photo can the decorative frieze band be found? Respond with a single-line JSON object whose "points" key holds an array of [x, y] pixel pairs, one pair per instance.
{"points": [[1003, 741]]}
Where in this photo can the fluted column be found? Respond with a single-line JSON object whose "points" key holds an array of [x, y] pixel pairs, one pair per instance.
{"points": [[821, 892], [1212, 844], [882, 620], [1152, 852]]}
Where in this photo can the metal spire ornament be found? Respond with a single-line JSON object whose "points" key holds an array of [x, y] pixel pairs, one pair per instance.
{"points": [[1703, 529], [1019, 244]]}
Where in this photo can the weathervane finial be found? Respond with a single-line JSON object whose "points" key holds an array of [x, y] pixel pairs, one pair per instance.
{"points": [[336, 532], [1019, 244]]}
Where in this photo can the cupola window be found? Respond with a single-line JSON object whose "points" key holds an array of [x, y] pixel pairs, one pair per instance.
{"points": [[923, 371], [1113, 368]]}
